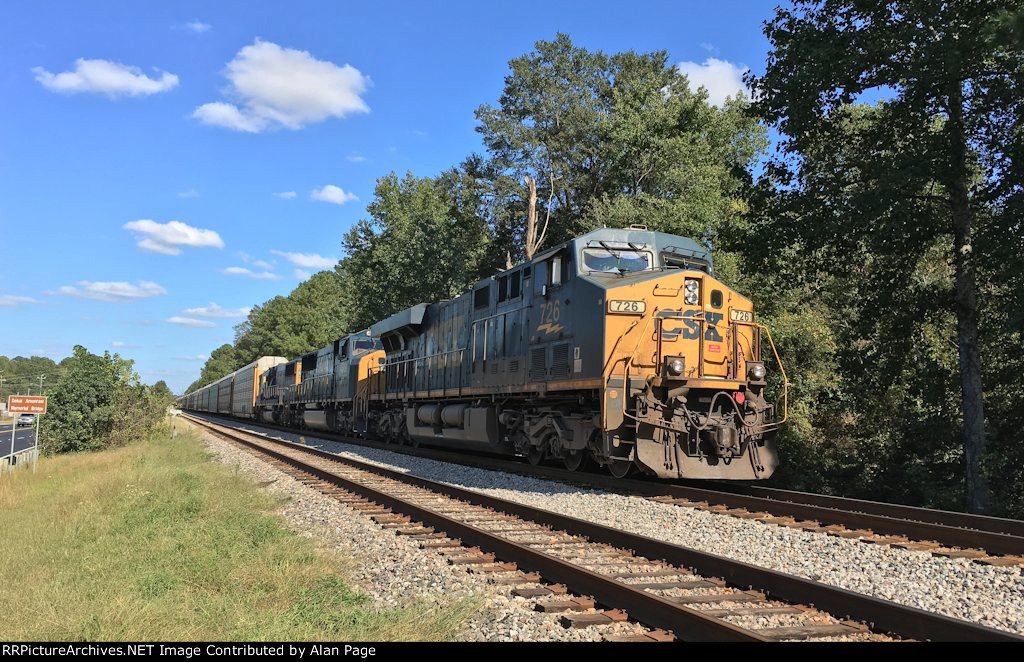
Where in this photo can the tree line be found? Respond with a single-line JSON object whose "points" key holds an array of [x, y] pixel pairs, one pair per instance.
{"points": [[94, 401], [879, 231]]}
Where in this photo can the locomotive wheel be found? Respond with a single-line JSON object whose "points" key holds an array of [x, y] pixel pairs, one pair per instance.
{"points": [[573, 460], [619, 468], [535, 454]]}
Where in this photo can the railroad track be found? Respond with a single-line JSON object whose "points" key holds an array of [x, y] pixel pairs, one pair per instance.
{"points": [[986, 540], [599, 575]]}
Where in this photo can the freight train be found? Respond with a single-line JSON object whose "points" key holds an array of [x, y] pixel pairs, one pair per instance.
{"points": [[620, 347]]}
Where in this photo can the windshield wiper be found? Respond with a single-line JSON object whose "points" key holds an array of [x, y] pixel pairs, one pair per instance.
{"points": [[618, 257], [609, 249]]}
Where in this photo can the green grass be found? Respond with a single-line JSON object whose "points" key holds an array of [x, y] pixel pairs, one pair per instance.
{"points": [[155, 541]]}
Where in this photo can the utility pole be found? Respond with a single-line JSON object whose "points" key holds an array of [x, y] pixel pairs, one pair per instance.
{"points": [[14, 434], [35, 441]]}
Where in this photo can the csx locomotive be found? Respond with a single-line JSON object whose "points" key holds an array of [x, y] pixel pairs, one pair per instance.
{"points": [[619, 347]]}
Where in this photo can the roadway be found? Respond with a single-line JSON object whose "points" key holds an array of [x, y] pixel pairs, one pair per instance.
{"points": [[23, 438]]}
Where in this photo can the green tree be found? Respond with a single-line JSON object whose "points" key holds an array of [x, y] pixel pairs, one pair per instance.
{"points": [[857, 286], [311, 316], [222, 360], [621, 138], [424, 241], [97, 402], [162, 392], [19, 374], [950, 123]]}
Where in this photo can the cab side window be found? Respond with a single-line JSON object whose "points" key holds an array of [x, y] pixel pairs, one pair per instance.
{"points": [[555, 270], [558, 269], [502, 288], [552, 272], [482, 297]]}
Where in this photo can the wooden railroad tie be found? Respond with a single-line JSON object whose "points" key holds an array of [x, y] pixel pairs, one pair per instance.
{"points": [[593, 618]]}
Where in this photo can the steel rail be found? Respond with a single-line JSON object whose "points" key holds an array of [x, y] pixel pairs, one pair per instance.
{"points": [[995, 535], [646, 607], [880, 615], [986, 523], [953, 536]]}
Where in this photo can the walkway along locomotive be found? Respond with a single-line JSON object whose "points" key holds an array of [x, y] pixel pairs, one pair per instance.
{"points": [[619, 346]]}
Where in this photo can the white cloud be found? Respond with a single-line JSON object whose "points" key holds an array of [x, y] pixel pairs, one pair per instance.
{"points": [[242, 271], [116, 292], [213, 310], [120, 344], [355, 157], [166, 237], [190, 193], [301, 274], [190, 321], [197, 357], [227, 115], [333, 194], [153, 246], [272, 87], [308, 260], [106, 77], [248, 259], [286, 195], [722, 79], [198, 27], [12, 300]]}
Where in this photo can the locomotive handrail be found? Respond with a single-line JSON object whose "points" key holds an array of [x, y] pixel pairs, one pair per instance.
{"points": [[782, 371], [414, 360]]}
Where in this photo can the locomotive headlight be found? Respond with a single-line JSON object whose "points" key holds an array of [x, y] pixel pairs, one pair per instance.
{"points": [[691, 292], [755, 370], [674, 365]]}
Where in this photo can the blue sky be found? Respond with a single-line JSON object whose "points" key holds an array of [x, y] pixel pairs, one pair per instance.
{"points": [[117, 118]]}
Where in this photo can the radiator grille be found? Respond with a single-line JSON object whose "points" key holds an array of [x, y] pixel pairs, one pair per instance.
{"points": [[538, 363], [560, 360]]}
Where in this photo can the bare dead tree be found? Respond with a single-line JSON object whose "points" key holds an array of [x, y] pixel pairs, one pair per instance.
{"points": [[533, 241]]}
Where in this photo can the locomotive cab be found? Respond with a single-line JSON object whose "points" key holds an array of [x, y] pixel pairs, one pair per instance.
{"points": [[684, 377]]}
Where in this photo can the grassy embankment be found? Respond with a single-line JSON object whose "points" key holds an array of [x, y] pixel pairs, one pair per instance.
{"points": [[155, 541]]}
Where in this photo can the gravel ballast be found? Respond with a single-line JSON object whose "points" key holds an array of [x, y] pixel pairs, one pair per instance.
{"points": [[394, 571], [991, 595]]}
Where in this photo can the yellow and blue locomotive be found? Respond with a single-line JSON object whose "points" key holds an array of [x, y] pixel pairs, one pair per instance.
{"points": [[619, 347]]}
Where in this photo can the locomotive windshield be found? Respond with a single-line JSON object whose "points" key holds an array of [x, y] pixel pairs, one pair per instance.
{"points": [[613, 260], [361, 346]]}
